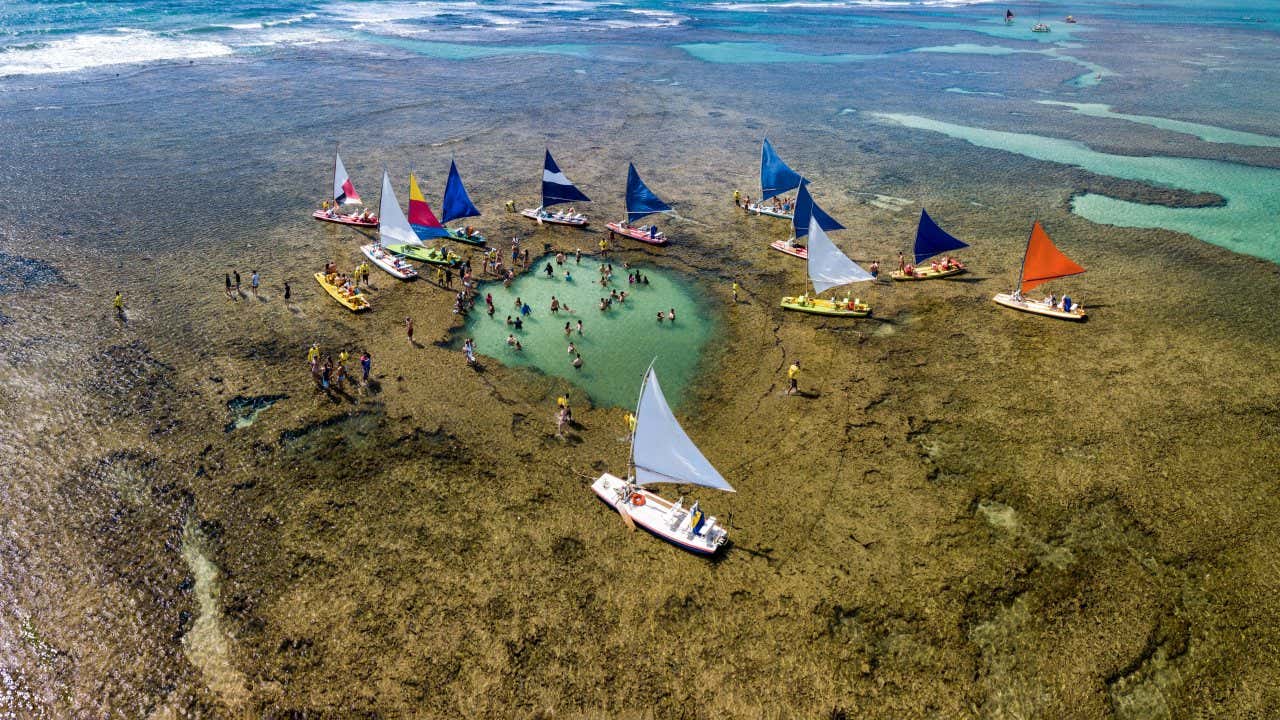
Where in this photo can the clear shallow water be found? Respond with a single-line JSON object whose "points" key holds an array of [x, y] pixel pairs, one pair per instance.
{"points": [[616, 345], [1246, 224], [1208, 133]]}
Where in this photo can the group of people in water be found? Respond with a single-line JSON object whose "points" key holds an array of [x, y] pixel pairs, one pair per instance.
{"points": [[329, 375], [348, 285]]}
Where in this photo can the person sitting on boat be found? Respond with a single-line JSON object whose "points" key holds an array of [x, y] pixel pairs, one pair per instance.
{"points": [[909, 270], [1066, 303], [1052, 300], [653, 232]]}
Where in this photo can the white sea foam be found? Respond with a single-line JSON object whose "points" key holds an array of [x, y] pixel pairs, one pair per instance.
{"points": [[123, 47], [840, 4]]}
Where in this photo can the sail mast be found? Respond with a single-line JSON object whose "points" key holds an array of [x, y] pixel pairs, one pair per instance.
{"points": [[631, 453], [1022, 269]]}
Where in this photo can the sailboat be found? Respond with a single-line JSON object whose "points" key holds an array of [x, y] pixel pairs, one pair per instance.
{"points": [[344, 193], [775, 178], [805, 209], [556, 190], [410, 233], [456, 205], [828, 268], [1008, 17], [394, 228], [641, 202], [1042, 262], [661, 452], [932, 240]]}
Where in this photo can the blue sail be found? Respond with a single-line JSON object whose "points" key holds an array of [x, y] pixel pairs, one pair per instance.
{"points": [[640, 199], [456, 203], [775, 177], [556, 188], [805, 206], [931, 239]]}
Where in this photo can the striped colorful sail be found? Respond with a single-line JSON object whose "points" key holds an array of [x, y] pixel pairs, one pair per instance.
{"points": [[421, 219], [344, 193], [1044, 261], [556, 188]]}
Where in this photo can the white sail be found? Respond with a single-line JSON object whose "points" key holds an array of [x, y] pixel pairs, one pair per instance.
{"points": [[828, 267], [661, 451], [393, 226]]}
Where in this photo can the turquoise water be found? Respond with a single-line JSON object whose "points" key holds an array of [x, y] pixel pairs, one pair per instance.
{"points": [[744, 52], [1208, 133], [616, 345], [1245, 224]]}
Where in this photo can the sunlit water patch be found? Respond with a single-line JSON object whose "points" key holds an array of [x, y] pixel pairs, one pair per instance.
{"points": [[751, 52], [1245, 224], [245, 410], [616, 344], [1208, 133], [1093, 75]]}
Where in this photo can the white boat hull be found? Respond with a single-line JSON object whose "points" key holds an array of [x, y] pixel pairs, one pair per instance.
{"points": [[770, 211], [574, 220], [394, 266], [1038, 307], [669, 521]]}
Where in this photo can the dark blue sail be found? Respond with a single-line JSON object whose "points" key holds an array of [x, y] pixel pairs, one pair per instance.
{"points": [[640, 199], [775, 177], [556, 188], [931, 239], [456, 203], [805, 206]]}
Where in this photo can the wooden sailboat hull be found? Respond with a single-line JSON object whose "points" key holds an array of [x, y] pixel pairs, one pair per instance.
{"points": [[925, 273], [637, 234], [352, 220], [655, 515], [425, 254], [460, 235], [1038, 307], [822, 306], [354, 303], [387, 261], [759, 209], [575, 220], [799, 251]]}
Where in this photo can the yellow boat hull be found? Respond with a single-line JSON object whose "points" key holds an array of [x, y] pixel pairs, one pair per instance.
{"points": [[822, 306], [925, 273], [354, 303]]}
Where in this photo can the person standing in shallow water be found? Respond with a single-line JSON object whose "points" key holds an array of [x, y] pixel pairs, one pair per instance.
{"points": [[793, 378], [228, 275], [408, 329], [288, 291], [253, 283], [118, 304], [236, 274], [366, 363]]}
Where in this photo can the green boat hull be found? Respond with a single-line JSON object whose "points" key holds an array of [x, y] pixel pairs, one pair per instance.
{"points": [[428, 255], [459, 235]]}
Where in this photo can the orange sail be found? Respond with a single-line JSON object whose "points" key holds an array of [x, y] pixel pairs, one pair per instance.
{"points": [[1044, 261]]}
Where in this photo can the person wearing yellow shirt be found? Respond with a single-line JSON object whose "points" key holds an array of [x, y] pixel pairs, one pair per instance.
{"points": [[118, 304], [313, 354], [793, 377]]}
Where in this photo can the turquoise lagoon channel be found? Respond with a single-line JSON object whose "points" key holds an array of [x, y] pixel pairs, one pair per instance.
{"points": [[616, 345]]}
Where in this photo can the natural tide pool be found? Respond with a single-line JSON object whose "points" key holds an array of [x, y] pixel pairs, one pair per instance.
{"points": [[616, 345]]}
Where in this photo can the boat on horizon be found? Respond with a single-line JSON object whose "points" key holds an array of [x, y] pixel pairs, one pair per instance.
{"points": [[1008, 17], [641, 202], [1070, 19], [395, 227], [661, 452], [409, 235], [828, 268], [776, 177], [557, 190], [1040, 27], [344, 193], [806, 208], [1041, 262], [456, 204], [931, 241]]}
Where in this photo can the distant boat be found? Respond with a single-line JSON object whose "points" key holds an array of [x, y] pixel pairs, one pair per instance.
{"points": [[1070, 19], [557, 190], [1008, 17], [661, 452], [932, 240], [828, 268], [1040, 27], [406, 235], [344, 193], [805, 208], [1042, 262], [394, 228], [775, 178], [457, 205], [641, 202]]}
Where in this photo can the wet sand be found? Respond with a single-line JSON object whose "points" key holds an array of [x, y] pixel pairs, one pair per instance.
{"points": [[968, 512]]}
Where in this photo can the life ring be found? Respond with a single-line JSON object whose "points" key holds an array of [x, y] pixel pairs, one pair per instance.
{"points": [[637, 499]]}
